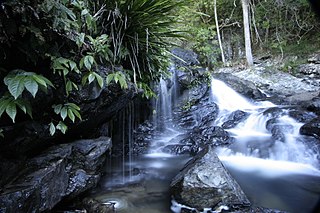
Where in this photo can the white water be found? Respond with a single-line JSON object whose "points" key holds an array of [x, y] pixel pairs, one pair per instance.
{"points": [[273, 172]]}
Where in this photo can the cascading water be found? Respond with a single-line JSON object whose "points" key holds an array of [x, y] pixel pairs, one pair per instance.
{"points": [[143, 185], [270, 160]]}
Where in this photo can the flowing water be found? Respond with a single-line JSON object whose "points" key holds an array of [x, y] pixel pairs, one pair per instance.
{"points": [[275, 172], [276, 169], [140, 184]]}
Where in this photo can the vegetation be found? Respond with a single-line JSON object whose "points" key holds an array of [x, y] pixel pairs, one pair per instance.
{"points": [[278, 27], [60, 46], [49, 45]]}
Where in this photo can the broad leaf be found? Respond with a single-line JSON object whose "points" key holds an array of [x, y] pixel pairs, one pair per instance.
{"points": [[110, 78], [123, 83], [91, 78], [31, 86], [62, 127], [99, 79], [63, 113], [40, 80], [16, 86], [74, 106], [57, 108], [71, 115], [52, 129], [11, 110]]}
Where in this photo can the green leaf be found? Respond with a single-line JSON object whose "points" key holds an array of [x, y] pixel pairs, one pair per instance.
{"points": [[88, 61], [8, 79], [71, 115], [72, 105], [31, 86], [85, 78], [91, 78], [110, 78], [123, 83], [11, 110], [52, 129], [21, 105], [57, 108], [40, 80], [68, 87], [4, 102], [63, 113], [76, 113], [99, 79], [62, 127], [72, 64], [16, 86]]}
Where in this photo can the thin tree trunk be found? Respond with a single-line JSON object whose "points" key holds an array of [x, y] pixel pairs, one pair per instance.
{"points": [[247, 39], [218, 31]]}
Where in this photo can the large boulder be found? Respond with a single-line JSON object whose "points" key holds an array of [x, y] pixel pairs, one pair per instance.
{"points": [[311, 128], [242, 86], [205, 183], [62, 172]]}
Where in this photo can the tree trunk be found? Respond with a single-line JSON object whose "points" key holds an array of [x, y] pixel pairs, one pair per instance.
{"points": [[246, 26], [218, 31]]}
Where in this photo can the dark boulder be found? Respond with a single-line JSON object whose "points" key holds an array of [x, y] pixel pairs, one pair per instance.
{"points": [[234, 119], [302, 115], [244, 87], [311, 128], [62, 172], [205, 183]]}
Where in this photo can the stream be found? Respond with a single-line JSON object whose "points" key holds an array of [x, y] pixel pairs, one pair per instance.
{"points": [[274, 165]]}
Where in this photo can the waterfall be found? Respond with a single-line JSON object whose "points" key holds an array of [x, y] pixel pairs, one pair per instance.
{"points": [[167, 94], [269, 158]]}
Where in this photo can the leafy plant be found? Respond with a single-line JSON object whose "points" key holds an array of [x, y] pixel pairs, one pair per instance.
{"points": [[9, 105], [19, 80], [147, 91], [69, 110], [118, 77]]}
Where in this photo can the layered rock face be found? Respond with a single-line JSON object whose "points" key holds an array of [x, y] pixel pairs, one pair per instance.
{"points": [[63, 171]]}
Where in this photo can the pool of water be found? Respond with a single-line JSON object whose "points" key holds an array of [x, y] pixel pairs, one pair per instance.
{"points": [[141, 185]]}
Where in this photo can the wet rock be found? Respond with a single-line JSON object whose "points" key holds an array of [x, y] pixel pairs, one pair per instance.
{"points": [[205, 183], [202, 113], [242, 86], [178, 149], [311, 128], [61, 172], [142, 137], [274, 112], [313, 105], [92, 205], [301, 115], [234, 119], [216, 135], [279, 131]]}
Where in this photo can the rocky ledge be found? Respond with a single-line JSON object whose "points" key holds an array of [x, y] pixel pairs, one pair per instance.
{"points": [[62, 172]]}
